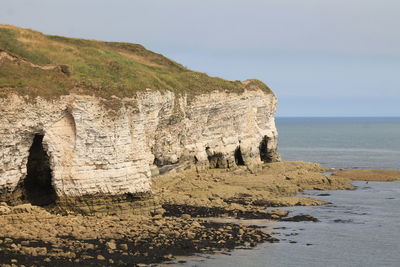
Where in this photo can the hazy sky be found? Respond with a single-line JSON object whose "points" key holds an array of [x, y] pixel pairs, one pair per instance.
{"points": [[321, 57]]}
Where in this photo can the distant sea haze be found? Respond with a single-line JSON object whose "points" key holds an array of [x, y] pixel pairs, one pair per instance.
{"points": [[341, 142]]}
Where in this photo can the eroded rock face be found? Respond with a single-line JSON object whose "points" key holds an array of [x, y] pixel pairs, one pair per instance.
{"points": [[94, 150]]}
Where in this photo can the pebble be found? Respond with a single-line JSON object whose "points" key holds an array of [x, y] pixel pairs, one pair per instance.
{"points": [[88, 246], [123, 246], [186, 216], [100, 257], [191, 235], [111, 245], [169, 257]]}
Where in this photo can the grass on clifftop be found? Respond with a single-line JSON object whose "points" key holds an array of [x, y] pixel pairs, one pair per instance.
{"points": [[51, 66]]}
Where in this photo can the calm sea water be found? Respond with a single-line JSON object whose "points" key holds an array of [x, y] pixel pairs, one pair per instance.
{"points": [[341, 142], [361, 227]]}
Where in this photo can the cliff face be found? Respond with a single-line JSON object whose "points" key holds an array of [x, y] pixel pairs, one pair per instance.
{"points": [[77, 119], [91, 150]]}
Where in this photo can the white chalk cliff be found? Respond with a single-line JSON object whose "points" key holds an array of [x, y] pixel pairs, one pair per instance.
{"points": [[86, 121], [92, 150]]}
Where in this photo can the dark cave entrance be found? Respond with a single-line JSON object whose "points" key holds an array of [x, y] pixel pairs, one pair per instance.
{"points": [[37, 185], [238, 157], [264, 153], [216, 160]]}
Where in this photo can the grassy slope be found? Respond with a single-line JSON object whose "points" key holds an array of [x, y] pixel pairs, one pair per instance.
{"points": [[93, 67]]}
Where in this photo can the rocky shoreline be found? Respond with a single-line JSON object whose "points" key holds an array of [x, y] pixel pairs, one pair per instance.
{"points": [[369, 175], [34, 236], [158, 239]]}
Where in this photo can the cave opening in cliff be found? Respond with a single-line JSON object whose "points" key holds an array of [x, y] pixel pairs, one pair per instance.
{"points": [[264, 153], [239, 157], [38, 186], [216, 160]]}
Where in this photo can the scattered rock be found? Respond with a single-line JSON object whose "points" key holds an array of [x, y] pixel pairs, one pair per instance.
{"points": [[123, 246], [111, 245], [4, 210], [168, 257], [186, 216], [41, 236], [88, 246], [100, 257], [301, 218], [369, 175], [41, 251], [342, 221]]}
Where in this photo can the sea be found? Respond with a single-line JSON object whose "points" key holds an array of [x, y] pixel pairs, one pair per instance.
{"points": [[341, 142], [360, 227]]}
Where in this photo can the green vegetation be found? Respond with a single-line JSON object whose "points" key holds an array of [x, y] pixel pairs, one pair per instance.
{"points": [[52, 66]]}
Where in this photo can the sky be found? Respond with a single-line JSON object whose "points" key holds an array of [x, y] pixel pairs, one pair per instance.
{"points": [[320, 57]]}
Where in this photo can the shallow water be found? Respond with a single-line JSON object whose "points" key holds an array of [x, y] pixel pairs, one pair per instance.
{"points": [[360, 228]]}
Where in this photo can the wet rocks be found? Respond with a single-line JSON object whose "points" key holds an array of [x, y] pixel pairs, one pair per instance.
{"points": [[136, 239], [301, 218], [342, 221], [35, 236], [111, 245], [369, 175], [100, 257], [203, 212]]}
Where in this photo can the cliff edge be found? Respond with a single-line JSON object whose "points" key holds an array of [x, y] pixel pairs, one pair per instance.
{"points": [[85, 118]]}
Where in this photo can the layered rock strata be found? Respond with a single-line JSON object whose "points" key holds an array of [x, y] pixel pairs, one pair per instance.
{"points": [[79, 145]]}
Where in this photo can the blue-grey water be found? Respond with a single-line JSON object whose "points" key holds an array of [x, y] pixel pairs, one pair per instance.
{"points": [[360, 227], [341, 142]]}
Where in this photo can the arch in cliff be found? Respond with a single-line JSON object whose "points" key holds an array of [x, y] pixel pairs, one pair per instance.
{"points": [[50, 161], [60, 142], [216, 159], [37, 186], [239, 157], [264, 152]]}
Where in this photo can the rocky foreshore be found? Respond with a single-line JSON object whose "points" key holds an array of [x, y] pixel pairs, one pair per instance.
{"points": [[370, 175], [34, 236]]}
